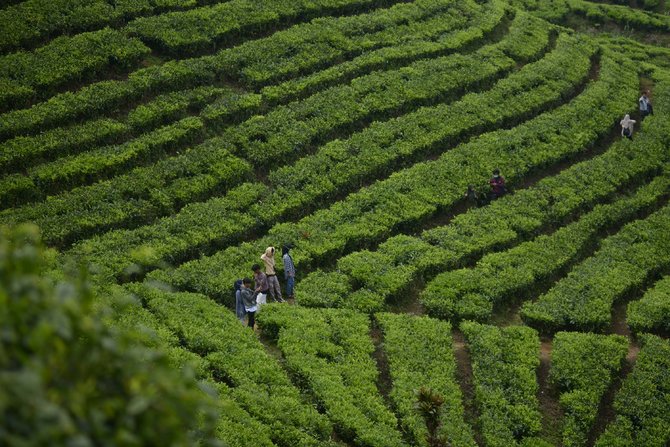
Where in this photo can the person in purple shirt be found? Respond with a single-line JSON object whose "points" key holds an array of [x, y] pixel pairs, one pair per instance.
{"points": [[497, 183]]}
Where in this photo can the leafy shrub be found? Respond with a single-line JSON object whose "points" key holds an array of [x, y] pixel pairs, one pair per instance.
{"points": [[69, 379]]}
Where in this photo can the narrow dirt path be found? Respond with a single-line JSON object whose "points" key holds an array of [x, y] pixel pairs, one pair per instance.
{"points": [[384, 381], [466, 381], [548, 396]]}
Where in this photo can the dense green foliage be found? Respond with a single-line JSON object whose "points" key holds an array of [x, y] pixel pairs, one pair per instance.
{"points": [[162, 145], [68, 379], [583, 366]]}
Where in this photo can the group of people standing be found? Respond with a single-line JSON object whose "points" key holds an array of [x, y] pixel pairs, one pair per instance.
{"points": [[646, 109], [248, 298]]}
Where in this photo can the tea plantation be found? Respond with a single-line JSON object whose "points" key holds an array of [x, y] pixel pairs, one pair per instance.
{"points": [[160, 146]]}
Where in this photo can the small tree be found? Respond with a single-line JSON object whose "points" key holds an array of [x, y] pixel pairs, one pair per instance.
{"points": [[68, 379], [429, 404]]}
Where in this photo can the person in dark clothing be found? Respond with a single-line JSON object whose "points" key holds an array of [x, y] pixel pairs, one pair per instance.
{"points": [[289, 270], [497, 183], [240, 312], [645, 105], [249, 301], [472, 196]]}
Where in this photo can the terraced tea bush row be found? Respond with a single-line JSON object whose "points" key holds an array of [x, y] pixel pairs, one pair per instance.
{"points": [[396, 23], [200, 175], [322, 112], [235, 425], [471, 293], [309, 48], [330, 352], [286, 132], [583, 366], [135, 198], [32, 21], [88, 167], [622, 15], [652, 312], [397, 262], [25, 152], [65, 59], [643, 403], [504, 361], [419, 352], [426, 122], [492, 16], [256, 381], [203, 28], [22, 152], [625, 261]]}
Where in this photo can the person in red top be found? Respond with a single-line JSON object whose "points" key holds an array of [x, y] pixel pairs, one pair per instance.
{"points": [[497, 183]]}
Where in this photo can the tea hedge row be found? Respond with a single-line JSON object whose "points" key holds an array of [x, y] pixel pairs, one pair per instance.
{"points": [[330, 352], [622, 15], [652, 312], [106, 96], [204, 28], [27, 151], [288, 132], [419, 352], [624, 262], [643, 403], [66, 59], [413, 132], [236, 357], [200, 177], [32, 21], [428, 73], [235, 426], [583, 366], [309, 48], [133, 199], [557, 11], [472, 293], [504, 361], [22, 152], [429, 43], [88, 167], [390, 269]]}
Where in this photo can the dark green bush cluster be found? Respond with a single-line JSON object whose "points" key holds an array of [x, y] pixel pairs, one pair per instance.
{"points": [[68, 379]]}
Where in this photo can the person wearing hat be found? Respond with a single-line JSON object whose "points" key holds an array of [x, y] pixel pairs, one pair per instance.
{"points": [[289, 270]]}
